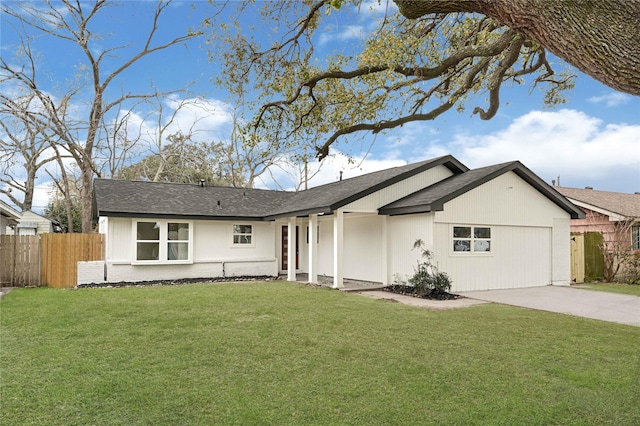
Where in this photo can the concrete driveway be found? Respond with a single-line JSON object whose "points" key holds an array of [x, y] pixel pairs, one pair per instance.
{"points": [[612, 307]]}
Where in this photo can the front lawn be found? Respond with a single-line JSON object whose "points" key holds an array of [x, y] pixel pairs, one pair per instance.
{"points": [[633, 290], [280, 353]]}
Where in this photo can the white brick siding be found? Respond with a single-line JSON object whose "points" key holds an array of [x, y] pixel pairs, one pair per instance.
{"points": [[93, 272], [90, 272]]}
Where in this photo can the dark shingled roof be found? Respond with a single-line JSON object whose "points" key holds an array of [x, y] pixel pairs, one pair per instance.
{"points": [[434, 197], [627, 205], [159, 199], [191, 201], [329, 197]]}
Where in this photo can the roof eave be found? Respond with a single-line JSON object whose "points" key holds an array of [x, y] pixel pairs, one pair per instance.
{"points": [[301, 213], [179, 216], [613, 216], [399, 211]]}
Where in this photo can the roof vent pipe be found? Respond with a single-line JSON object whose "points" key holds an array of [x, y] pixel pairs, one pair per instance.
{"points": [[201, 183], [219, 206], [340, 174], [588, 187]]}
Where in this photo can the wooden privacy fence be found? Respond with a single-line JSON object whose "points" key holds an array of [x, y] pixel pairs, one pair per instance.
{"points": [[19, 260], [61, 254], [587, 262], [48, 259], [577, 258]]}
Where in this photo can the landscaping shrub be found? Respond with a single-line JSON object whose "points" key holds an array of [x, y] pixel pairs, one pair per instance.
{"points": [[427, 281]]}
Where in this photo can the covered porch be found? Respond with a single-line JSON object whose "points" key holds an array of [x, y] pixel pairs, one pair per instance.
{"points": [[345, 249]]}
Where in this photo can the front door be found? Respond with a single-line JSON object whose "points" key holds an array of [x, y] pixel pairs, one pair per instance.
{"points": [[285, 247]]}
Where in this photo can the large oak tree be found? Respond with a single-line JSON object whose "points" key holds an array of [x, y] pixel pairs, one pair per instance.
{"points": [[599, 37]]}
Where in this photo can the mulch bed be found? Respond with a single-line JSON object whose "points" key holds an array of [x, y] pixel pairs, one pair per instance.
{"points": [[174, 282], [408, 290]]}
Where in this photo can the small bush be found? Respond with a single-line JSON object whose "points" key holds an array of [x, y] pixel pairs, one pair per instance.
{"points": [[631, 271], [426, 281]]}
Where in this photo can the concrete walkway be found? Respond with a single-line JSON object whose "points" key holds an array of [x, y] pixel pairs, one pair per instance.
{"points": [[5, 290], [421, 303], [612, 307]]}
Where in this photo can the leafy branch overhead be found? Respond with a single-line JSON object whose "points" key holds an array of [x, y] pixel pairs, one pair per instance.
{"points": [[599, 37], [405, 70]]}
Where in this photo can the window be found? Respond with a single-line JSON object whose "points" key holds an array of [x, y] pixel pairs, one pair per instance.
{"points": [[178, 241], [242, 234], [148, 241], [635, 237], [162, 241], [474, 239]]}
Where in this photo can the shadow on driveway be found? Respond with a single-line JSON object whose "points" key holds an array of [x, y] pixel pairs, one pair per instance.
{"points": [[612, 307]]}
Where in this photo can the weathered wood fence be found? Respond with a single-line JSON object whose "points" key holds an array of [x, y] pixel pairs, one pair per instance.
{"points": [[48, 259], [19, 260]]}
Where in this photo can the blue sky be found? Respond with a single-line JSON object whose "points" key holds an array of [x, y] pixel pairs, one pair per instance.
{"points": [[592, 140]]}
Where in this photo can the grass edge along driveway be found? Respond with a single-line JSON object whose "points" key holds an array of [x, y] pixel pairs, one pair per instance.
{"points": [[284, 353]]}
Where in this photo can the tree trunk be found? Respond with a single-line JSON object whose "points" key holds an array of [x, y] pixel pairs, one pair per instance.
{"points": [[29, 188], [86, 198], [599, 37]]}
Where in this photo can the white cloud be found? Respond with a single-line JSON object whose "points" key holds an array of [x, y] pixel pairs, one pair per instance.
{"points": [[568, 143], [41, 196], [328, 171], [581, 149], [346, 33], [378, 7], [205, 118], [611, 100]]}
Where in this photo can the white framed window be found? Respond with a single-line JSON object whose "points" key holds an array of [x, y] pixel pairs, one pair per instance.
{"points": [[242, 235], [162, 241], [635, 237], [471, 239]]}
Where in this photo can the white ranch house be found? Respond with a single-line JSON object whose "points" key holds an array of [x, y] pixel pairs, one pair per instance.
{"points": [[489, 228]]}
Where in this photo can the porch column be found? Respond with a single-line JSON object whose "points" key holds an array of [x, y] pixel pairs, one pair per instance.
{"points": [[313, 249], [385, 253], [338, 243], [291, 249]]}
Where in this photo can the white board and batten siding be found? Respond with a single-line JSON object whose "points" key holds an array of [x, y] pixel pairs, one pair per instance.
{"points": [[372, 202], [528, 237], [561, 243], [403, 231], [363, 241]]}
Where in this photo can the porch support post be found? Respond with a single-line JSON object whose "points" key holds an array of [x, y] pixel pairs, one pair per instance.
{"points": [[313, 248], [338, 243], [385, 252], [291, 249]]}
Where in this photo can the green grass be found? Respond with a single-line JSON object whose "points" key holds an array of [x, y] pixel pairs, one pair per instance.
{"points": [[280, 353], [630, 289]]}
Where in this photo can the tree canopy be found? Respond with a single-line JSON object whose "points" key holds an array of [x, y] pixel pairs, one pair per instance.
{"points": [[405, 70]]}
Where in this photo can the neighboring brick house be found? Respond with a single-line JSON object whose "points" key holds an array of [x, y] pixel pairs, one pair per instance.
{"points": [[606, 211]]}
